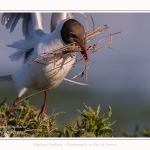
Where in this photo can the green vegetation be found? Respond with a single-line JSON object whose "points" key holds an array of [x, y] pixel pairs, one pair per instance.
{"points": [[23, 122]]}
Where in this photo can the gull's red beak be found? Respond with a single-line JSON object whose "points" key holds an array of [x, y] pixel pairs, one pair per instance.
{"points": [[84, 52]]}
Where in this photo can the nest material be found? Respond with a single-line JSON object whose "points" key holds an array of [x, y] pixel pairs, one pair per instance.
{"points": [[70, 49]]}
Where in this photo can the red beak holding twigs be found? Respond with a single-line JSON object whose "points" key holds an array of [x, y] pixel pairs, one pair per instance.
{"points": [[84, 52]]}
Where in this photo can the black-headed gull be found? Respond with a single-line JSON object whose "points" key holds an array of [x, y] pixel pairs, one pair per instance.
{"points": [[38, 76]]}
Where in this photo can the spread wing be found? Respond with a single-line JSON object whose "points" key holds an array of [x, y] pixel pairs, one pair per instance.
{"points": [[32, 29]]}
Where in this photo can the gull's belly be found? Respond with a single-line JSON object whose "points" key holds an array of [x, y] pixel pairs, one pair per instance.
{"points": [[50, 76]]}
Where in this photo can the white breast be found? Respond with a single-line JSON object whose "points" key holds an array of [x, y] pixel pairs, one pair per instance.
{"points": [[51, 75], [38, 76]]}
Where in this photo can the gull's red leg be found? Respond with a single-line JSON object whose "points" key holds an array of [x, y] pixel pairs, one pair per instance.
{"points": [[13, 107], [43, 109]]}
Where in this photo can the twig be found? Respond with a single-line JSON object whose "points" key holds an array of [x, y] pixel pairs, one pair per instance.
{"points": [[93, 23], [79, 73], [68, 50]]}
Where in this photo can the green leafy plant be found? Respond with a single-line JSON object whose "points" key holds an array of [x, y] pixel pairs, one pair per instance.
{"points": [[23, 122], [91, 125]]}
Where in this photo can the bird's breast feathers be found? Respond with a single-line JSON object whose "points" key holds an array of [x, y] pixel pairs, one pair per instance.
{"points": [[39, 76]]}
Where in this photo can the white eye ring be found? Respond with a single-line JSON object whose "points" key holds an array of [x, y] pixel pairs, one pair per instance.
{"points": [[71, 33]]}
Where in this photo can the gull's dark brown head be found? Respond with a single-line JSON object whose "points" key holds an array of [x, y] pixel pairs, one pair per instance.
{"points": [[73, 31]]}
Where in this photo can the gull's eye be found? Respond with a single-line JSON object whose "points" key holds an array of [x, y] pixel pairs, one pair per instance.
{"points": [[72, 34]]}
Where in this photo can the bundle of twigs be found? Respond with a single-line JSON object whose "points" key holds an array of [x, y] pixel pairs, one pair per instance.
{"points": [[70, 49]]}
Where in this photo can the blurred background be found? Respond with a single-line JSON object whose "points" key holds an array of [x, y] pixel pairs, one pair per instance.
{"points": [[119, 78]]}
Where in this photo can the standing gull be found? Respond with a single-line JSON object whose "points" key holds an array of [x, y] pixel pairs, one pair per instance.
{"points": [[36, 42]]}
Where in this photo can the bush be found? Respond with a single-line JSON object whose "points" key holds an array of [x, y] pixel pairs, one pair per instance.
{"points": [[23, 122]]}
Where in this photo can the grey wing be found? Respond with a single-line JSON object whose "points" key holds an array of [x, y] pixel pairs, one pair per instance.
{"points": [[30, 22], [32, 29], [10, 20], [59, 16]]}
